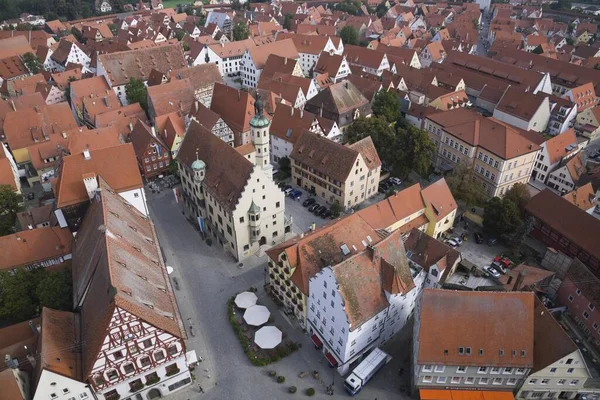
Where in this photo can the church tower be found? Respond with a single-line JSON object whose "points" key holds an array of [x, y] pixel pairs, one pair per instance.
{"points": [[259, 131]]}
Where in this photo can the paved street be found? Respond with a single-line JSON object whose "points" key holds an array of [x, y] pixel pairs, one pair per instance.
{"points": [[207, 278], [483, 33]]}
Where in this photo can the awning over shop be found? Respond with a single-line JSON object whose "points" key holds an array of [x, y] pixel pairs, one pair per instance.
{"points": [[332, 361], [316, 341], [432, 394]]}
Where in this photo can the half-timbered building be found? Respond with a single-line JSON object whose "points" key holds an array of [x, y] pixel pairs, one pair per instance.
{"points": [[131, 332]]}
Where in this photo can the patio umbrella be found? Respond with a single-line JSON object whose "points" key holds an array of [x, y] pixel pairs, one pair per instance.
{"points": [[245, 300], [267, 337], [256, 315]]}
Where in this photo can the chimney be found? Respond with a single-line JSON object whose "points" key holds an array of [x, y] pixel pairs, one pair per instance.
{"points": [[346, 84], [87, 155], [372, 252], [12, 103], [31, 360], [301, 113], [239, 95], [292, 111], [91, 184], [130, 126], [285, 61]]}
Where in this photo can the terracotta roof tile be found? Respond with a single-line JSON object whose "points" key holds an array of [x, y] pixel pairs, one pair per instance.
{"points": [[225, 181], [59, 332], [493, 135], [14, 46], [11, 390], [288, 123], [283, 48], [566, 219], [117, 260], [309, 44], [116, 164], [427, 251], [317, 152], [170, 126], [583, 197], [339, 98], [367, 150], [576, 167], [34, 245], [438, 196], [235, 107], [121, 66], [489, 312], [177, 95], [200, 76]]}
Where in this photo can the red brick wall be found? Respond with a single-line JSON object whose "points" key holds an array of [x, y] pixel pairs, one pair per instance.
{"points": [[578, 304]]}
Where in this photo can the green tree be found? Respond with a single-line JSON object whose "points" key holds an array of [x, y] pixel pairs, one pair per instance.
{"points": [[17, 295], [519, 194], [382, 134], [179, 34], [463, 185], [32, 63], [413, 150], [241, 31], [501, 217], [516, 238], [381, 10], [137, 92], [55, 289], [386, 106], [287, 21], [349, 35], [336, 209], [173, 170], [284, 165], [9, 206]]}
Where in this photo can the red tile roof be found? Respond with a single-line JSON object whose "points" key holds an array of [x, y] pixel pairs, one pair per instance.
{"points": [[33, 246]]}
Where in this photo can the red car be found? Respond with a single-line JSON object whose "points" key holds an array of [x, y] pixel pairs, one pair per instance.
{"points": [[503, 260]]}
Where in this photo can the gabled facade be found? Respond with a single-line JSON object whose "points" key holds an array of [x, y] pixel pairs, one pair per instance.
{"points": [[552, 152], [497, 356], [336, 66], [133, 333], [362, 301], [311, 47], [236, 203], [566, 175], [152, 154]]}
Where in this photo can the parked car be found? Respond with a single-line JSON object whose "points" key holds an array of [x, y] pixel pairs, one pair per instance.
{"points": [[295, 194], [456, 240], [383, 187], [309, 202], [490, 270], [319, 210], [478, 237], [327, 214], [451, 243], [287, 189], [492, 241], [498, 267], [505, 261], [314, 207], [322, 211], [394, 181]]}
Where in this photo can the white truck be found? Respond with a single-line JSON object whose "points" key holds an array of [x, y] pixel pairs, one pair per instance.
{"points": [[366, 370]]}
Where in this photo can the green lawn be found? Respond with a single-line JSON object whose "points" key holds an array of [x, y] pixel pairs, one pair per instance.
{"points": [[173, 3]]}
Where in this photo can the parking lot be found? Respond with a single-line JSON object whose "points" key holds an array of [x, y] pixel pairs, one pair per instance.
{"points": [[301, 218], [479, 254]]}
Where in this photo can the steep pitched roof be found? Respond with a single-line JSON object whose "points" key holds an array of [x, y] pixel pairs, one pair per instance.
{"points": [[427, 251], [583, 197], [34, 245], [367, 150], [177, 95], [365, 277], [520, 103], [123, 65], [309, 44], [321, 154], [551, 342], [200, 76], [283, 48], [439, 197], [495, 136], [288, 123], [225, 181], [141, 137], [489, 312], [234, 106], [321, 248], [340, 97], [567, 219], [116, 164], [557, 145], [14, 46], [117, 261]]}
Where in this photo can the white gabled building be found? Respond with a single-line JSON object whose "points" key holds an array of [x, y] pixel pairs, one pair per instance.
{"points": [[236, 201], [362, 301], [310, 48], [552, 152], [254, 59], [334, 65], [131, 332], [227, 56]]}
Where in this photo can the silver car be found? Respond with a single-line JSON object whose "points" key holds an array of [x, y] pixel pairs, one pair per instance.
{"points": [[490, 270]]}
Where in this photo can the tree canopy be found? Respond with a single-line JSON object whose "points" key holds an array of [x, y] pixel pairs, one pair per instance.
{"points": [[404, 148], [463, 186], [351, 7], [349, 35], [505, 217], [67, 9], [241, 31], [137, 92], [382, 134], [381, 9], [287, 21], [32, 63], [413, 150], [9, 206], [24, 293], [387, 106]]}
